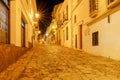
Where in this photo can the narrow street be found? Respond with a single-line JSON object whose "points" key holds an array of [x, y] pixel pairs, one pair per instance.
{"points": [[52, 62]]}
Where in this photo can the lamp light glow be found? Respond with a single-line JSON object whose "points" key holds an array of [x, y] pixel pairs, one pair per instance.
{"points": [[37, 15]]}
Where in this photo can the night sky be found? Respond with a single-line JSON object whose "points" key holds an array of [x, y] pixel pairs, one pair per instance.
{"points": [[45, 8]]}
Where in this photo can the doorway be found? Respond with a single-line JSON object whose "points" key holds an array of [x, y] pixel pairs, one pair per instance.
{"points": [[76, 41], [80, 33], [23, 33]]}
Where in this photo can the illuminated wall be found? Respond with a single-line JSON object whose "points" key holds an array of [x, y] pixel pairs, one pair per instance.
{"points": [[100, 22], [22, 11]]}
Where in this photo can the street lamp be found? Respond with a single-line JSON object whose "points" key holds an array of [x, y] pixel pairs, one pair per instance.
{"points": [[37, 15], [46, 34], [53, 27], [39, 32], [36, 26]]}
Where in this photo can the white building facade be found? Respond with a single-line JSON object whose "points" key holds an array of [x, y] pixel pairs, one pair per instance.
{"points": [[94, 26], [22, 19]]}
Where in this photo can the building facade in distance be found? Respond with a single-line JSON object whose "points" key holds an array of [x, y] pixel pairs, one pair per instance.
{"points": [[62, 16]]}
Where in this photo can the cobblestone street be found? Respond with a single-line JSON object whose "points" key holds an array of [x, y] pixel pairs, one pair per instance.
{"points": [[51, 62]]}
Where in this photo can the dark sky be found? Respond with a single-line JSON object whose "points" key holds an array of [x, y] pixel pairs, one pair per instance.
{"points": [[45, 8]]}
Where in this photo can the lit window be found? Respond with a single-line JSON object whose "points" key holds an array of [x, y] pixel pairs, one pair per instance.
{"points": [[95, 38]]}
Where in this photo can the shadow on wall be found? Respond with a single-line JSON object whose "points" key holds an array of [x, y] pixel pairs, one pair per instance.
{"points": [[30, 44], [9, 54]]}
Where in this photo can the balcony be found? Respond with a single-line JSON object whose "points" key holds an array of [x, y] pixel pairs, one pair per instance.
{"points": [[113, 4], [93, 13], [59, 23], [65, 18]]}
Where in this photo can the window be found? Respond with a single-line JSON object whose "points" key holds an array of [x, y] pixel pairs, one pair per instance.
{"points": [[93, 7], [95, 38], [63, 36], [110, 1], [66, 33], [108, 18], [63, 16], [66, 13], [27, 2], [36, 27], [4, 20], [6, 1], [22, 33], [76, 41]]}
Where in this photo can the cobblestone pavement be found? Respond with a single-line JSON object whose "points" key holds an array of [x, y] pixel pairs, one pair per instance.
{"points": [[51, 62]]}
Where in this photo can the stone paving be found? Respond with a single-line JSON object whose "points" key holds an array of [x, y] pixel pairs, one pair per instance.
{"points": [[51, 62]]}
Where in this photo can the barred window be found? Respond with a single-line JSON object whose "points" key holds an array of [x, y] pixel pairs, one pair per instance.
{"points": [[95, 38], [93, 5], [4, 20]]}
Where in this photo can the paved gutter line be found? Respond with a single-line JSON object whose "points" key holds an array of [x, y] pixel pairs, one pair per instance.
{"points": [[20, 66]]}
